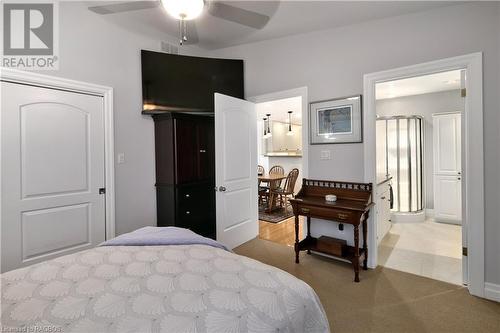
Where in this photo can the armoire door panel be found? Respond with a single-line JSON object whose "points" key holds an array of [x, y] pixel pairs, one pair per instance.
{"points": [[186, 151], [206, 150]]}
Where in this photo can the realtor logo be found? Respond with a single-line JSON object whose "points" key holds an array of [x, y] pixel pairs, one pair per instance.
{"points": [[30, 35]]}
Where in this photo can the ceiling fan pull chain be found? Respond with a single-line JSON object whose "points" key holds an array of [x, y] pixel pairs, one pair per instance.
{"points": [[181, 39], [185, 30]]}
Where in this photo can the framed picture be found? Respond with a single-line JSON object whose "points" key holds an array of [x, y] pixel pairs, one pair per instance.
{"points": [[336, 121]]}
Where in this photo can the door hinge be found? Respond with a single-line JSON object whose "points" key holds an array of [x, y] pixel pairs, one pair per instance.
{"points": [[102, 190], [463, 92], [464, 251]]}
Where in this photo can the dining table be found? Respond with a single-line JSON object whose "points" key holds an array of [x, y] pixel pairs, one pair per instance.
{"points": [[274, 181]]}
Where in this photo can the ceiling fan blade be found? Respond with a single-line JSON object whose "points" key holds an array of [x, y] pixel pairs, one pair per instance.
{"points": [[124, 7], [238, 15], [192, 33]]}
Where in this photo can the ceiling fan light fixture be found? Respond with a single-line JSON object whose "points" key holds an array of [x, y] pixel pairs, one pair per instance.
{"points": [[183, 9]]}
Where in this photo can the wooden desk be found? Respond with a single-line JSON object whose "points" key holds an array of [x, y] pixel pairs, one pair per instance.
{"points": [[353, 204], [273, 181]]}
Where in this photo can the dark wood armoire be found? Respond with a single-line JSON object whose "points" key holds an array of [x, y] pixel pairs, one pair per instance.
{"points": [[178, 91], [185, 171]]}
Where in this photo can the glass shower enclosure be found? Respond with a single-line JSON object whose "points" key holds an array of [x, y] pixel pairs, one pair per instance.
{"points": [[400, 155]]}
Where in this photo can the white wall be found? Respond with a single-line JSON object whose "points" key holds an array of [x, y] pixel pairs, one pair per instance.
{"points": [[96, 51], [331, 64], [423, 105]]}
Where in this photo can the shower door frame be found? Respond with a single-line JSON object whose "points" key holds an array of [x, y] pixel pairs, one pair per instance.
{"points": [[422, 161], [472, 157]]}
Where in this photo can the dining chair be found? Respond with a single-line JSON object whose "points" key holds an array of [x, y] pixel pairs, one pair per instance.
{"points": [[277, 170], [288, 188], [262, 189]]}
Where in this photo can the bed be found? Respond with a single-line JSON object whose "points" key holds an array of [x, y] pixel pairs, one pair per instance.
{"points": [[140, 282]]}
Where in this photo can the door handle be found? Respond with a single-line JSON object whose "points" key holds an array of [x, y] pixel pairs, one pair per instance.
{"points": [[222, 189]]}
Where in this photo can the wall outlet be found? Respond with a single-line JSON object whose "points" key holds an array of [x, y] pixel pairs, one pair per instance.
{"points": [[325, 155], [120, 159]]}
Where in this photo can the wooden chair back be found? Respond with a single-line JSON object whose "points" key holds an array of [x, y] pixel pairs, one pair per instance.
{"points": [[260, 170], [277, 170], [290, 181]]}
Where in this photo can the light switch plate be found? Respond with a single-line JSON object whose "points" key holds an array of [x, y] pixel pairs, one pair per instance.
{"points": [[120, 158], [325, 155]]}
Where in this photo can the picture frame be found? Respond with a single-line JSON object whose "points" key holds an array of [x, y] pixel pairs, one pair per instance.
{"points": [[336, 121]]}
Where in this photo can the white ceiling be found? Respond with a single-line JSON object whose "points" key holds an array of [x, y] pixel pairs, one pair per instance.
{"points": [[287, 18], [419, 85], [279, 110]]}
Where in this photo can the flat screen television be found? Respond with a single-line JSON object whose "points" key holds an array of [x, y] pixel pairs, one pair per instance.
{"points": [[183, 83]]}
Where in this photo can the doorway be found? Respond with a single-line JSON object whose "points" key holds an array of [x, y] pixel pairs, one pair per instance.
{"points": [[472, 158], [282, 153], [419, 148]]}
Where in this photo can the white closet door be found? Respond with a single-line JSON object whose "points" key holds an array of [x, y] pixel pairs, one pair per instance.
{"points": [[447, 168], [52, 170], [236, 170]]}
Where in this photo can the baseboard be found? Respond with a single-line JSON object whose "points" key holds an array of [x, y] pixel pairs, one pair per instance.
{"points": [[492, 291], [429, 213]]}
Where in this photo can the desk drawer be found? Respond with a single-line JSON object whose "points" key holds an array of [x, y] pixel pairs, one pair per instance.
{"points": [[328, 213]]}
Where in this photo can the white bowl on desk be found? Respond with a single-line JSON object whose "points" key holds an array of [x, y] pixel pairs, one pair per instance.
{"points": [[331, 197]]}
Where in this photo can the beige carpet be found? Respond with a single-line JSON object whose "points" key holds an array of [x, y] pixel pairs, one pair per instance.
{"points": [[385, 300]]}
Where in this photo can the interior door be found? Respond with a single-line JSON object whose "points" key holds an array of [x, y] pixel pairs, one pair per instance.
{"points": [[447, 168], [52, 171], [236, 170]]}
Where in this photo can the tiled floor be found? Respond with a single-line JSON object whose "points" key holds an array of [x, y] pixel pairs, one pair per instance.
{"points": [[427, 249]]}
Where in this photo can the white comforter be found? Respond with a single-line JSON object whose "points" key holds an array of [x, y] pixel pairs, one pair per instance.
{"points": [[182, 288]]}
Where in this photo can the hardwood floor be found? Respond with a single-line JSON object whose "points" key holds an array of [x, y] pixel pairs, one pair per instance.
{"points": [[281, 233]]}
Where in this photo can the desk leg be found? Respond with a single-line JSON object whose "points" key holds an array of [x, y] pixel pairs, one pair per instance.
{"points": [[308, 231], [365, 245], [355, 260], [296, 239]]}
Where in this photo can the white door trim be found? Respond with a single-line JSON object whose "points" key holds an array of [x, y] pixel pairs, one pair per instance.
{"points": [[46, 81], [302, 92], [473, 151]]}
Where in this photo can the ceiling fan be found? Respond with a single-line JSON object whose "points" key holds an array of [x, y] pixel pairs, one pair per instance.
{"points": [[186, 11]]}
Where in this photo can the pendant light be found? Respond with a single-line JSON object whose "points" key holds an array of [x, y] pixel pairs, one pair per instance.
{"points": [[290, 132], [269, 134], [265, 128]]}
